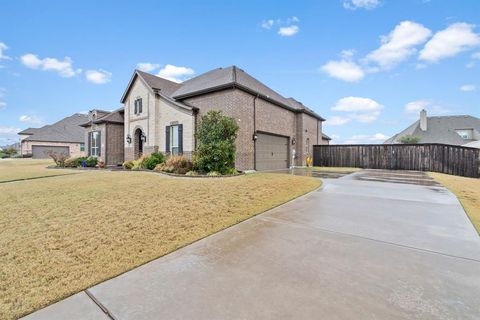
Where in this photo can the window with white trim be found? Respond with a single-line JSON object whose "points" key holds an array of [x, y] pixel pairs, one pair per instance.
{"points": [[95, 143], [174, 140], [137, 109]]}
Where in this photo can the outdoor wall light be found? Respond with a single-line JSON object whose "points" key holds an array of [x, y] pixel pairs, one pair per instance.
{"points": [[293, 141], [129, 139], [144, 138], [255, 137]]}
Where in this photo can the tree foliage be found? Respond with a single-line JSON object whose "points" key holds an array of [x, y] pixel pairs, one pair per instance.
{"points": [[216, 143], [409, 139]]}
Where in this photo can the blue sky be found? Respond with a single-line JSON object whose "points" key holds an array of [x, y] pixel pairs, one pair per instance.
{"points": [[367, 66]]}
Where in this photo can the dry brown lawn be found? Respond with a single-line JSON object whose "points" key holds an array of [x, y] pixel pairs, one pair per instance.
{"points": [[337, 169], [468, 192], [64, 234], [20, 169]]}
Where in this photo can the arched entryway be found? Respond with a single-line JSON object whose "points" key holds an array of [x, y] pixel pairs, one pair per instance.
{"points": [[138, 143]]}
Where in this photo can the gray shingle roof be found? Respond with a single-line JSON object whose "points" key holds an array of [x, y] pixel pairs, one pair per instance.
{"points": [[218, 79], [440, 130], [65, 130]]}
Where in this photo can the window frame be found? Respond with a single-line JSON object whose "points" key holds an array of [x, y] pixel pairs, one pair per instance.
{"points": [[82, 147], [172, 146], [138, 106], [95, 146]]}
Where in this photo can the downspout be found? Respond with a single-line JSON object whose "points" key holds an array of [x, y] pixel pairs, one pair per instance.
{"points": [[106, 144], [254, 132]]}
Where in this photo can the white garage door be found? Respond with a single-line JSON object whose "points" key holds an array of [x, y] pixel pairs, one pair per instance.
{"points": [[271, 152], [40, 152]]}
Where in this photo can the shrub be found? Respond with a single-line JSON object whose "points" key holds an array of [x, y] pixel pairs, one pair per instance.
{"points": [[214, 174], [101, 164], [59, 157], [128, 165], [139, 163], [91, 162], [231, 171], [191, 173], [153, 160], [409, 139], [175, 164], [216, 143], [10, 151], [74, 162]]}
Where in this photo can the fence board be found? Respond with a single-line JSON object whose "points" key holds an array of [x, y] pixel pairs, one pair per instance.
{"points": [[456, 160]]}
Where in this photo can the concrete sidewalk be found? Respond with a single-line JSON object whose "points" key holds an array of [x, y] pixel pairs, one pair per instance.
{"points": [[356, 249]]}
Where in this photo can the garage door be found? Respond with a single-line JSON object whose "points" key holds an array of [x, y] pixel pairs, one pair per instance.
{"points": [[39, 152], [271, 152]]}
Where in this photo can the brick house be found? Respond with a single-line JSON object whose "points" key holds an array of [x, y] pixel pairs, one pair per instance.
{"points": [[160, 115], [64, 136], [104, 135]]}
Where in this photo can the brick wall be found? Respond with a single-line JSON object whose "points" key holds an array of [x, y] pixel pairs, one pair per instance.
{"points": [[115, 144]]}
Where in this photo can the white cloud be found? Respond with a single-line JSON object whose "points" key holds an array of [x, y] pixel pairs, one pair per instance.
{"points": [[416, 106], [30, 119], [366, 139], [337, 121], [63, 67], [3, 47], [467, 87], [344, 70], [286, 27], [174, 73], [268, 24], [147, 66], [399, 44], [364, 4], [98, 76], [9, 130], [449, 42], [288, 31], [359, 109]]}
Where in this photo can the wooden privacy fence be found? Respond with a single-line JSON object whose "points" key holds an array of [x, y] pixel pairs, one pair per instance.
{"points": [[457, 160]]}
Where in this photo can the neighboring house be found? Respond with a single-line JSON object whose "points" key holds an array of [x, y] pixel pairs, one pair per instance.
{"points": [[325, 139], [104, 135], [454, 130], [274, 132], [64, 136]]}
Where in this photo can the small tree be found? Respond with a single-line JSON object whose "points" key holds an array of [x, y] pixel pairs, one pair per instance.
{"points": [[216, 143], [409, 139], [10, 151], [59, 158]]}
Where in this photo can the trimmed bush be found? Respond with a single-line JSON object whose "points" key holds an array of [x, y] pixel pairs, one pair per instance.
{"points": [[128, 165], [214, 174], [216, 143], [191, 173], [153, 160], [91, 162], [74, 162], [175, 164]]}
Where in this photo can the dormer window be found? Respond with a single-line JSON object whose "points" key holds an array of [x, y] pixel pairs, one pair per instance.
{"points": [[466, 134], [138, 106]]}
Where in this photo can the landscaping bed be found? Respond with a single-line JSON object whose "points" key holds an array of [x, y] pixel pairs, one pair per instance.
{"points": [[64, 234]]}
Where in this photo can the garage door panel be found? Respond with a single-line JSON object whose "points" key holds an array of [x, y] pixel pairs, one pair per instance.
{"points": [[271, 152], [39, 152]]}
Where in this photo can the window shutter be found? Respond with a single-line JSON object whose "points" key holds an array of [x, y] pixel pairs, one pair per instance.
{"points": [[99, 145], [167, 139], [89, 152], [180, 138], [140, 107], [135, 107]]}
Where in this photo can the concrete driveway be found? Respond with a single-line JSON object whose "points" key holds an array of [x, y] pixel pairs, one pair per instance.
{"points": [[365, 246]]}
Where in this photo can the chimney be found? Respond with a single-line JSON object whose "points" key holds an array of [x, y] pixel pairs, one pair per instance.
{"points": [[423, 120]]}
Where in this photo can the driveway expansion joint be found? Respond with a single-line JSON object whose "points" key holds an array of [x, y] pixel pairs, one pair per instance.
{"points": [[276, 220], [100, 305]]}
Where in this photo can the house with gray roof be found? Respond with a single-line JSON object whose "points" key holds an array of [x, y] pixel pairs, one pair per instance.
{"points": [[64, 136], [275, 132], [461, 130]]}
